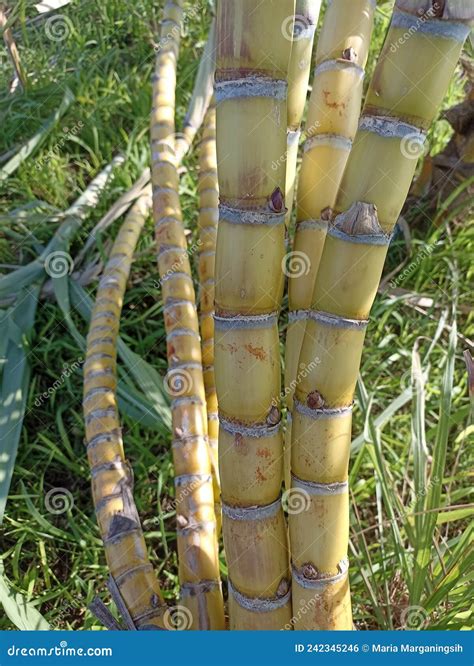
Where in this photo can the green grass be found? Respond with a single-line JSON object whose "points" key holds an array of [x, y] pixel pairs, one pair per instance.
{"points": [[57, 561]]}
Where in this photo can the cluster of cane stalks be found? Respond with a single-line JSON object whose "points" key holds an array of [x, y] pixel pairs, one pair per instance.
{"points": [[224, 373]]}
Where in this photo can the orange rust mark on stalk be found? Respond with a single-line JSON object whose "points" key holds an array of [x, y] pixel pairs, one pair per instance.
{"points": [[263, 453], [259, 352], [332, 105], [260, 475]]}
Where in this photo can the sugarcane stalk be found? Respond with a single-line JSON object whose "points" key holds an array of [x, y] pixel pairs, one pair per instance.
{"points": [[412, 75], [304, 27], [208, 190], [112, 478], [251, 88], [197, 544], [333, 114], [201, 97]]}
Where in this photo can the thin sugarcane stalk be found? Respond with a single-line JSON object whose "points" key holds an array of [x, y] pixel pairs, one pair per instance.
{"points": [[304, 27], [197, 536], [201, 97], [11, 48], [333, 114], [208, 189], [412, 75], [112, 479], [251, 87]]}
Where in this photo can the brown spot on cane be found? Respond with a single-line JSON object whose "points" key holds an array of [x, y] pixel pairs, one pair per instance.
{"points": [[360, 219], [276, 202], [258, 352], [309, 571], [273, 416], [263, 453], [327, 214], [283, 588], [349, 54], [260, 475], [332, 105], [315, 400]]}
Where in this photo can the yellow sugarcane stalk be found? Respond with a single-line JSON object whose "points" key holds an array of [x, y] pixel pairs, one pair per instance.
{"points": [[253, 53], [208, 190], [112, 483], [412, 75], [302, 36], [333, 114], [198, 557]]}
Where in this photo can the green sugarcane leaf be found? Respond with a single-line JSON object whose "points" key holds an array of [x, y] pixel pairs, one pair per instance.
{"points": [[38, 138], [55, 253], [433, 500], [14, 385], [456, 514], [19, 611], [418, 440]]}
